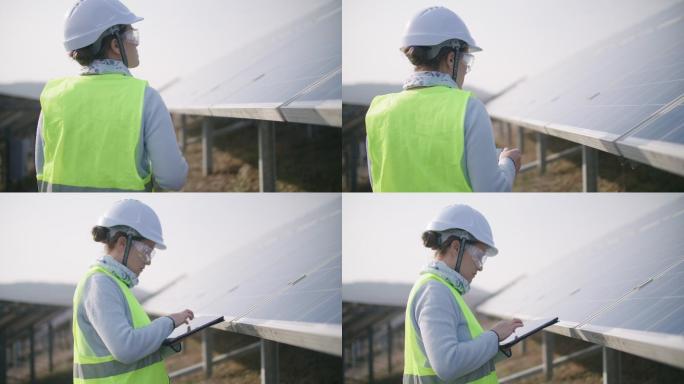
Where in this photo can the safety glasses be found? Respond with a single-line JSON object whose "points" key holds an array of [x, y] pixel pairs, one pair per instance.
{"points": [[479, 256], [145, 250], [132, 36], [468, 60]]}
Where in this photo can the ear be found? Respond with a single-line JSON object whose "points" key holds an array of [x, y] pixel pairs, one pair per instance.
{"points": [[455, 245], [114, 47], [451, 58], [121, 242]]}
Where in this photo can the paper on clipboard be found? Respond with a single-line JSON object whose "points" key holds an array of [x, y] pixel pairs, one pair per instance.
{"points": [[197, 324], [529, 327]]}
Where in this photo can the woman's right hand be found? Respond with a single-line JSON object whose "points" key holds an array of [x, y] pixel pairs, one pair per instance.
{"points": [[506, 327], [182, 317], [515, 155]]}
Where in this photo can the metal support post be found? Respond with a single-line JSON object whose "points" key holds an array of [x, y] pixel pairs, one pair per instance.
{"points": [[3, 359], [269, 362], [541, 152], [509, 135], [207, 138], [370, 355], [183, 132], [589, 169], [207, 349], [51, 342], [547, 354], [612, 366], [389, 348], [32, 354], [523, 347], [521, 139], [267, 161]]}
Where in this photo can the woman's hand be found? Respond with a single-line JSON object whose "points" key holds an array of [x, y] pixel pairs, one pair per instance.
{"points": [[515, 155], [506, 327], [181, 317]]}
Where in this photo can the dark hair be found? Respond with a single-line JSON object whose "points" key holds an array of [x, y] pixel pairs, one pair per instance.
{"points": [[84, 56], [431, 240], [417, 55], [101, 235]]}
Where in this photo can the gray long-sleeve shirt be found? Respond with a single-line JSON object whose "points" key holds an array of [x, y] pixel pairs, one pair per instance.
{"points": [[483, 170], [159, 147], [443, 335]]}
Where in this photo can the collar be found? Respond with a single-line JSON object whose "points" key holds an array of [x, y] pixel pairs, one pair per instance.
{"points": [[429, 79], [103, 66], [119, 270], [454, 278]]}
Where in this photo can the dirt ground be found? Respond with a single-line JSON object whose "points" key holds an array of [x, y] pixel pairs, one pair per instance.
{"points": [[307, 159]]}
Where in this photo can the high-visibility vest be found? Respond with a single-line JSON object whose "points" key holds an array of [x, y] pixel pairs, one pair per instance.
{"points": [[417, 369], [91, 128], [89, 368], [416, 140]]}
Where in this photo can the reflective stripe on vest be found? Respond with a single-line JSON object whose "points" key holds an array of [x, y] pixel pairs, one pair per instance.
{"points": [[91, 129], [89, 368], [416, 140], [417, 368]]}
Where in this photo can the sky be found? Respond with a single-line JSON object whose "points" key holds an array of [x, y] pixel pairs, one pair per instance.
{"points": [[176, 36], [519, 37], [381, 233], [46, 237]]}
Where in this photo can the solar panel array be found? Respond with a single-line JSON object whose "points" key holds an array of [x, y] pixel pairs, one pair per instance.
{"points": [[284, 287], [630, 283], [623, 95], [293, 74]]}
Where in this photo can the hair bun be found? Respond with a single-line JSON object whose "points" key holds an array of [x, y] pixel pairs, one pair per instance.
{"points": [[430, 239]]}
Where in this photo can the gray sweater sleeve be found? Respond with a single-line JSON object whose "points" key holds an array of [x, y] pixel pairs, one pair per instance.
{"points": [[483, 169], [169, 168], [38, 152], [442, 328], [106, 309]]}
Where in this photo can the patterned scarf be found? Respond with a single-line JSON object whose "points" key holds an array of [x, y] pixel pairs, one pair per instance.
{"points": [[454, 278], [103, 66], [119, 270], [429, 79]]}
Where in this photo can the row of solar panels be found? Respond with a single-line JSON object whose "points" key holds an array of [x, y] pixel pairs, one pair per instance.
{"points": [[285, 287], [625, 291], [294, 74], [625, 95]]}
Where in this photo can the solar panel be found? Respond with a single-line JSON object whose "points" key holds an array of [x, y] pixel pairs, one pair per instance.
{"points": [[602, 94], [298, 61], [629, 280], [288, 282]]}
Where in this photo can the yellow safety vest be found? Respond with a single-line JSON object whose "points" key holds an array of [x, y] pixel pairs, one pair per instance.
{"points": [[91, 128], [416, 140], [92, 369], [417, 369]]}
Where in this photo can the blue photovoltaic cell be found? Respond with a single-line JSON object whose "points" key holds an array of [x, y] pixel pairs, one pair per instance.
{"points": [[599, 275], [600, 95], [256, 80]]}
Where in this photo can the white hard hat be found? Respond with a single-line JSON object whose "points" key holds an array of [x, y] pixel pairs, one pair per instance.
{"points": [[463, 217], [88, 19], [136, 215], [435, 25]]}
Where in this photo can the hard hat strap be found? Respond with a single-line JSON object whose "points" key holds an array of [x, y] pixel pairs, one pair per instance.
{"points": [[461, 250], [122, 49], [454, 74], [129, 241]]}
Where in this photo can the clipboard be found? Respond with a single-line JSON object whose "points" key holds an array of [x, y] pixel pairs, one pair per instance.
{"points": [[197, 324], [529, 328]]}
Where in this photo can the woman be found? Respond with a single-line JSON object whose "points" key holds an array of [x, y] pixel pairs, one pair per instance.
{"points": [[114, 339], [444, 342], [433, 136], [105, 130]]}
